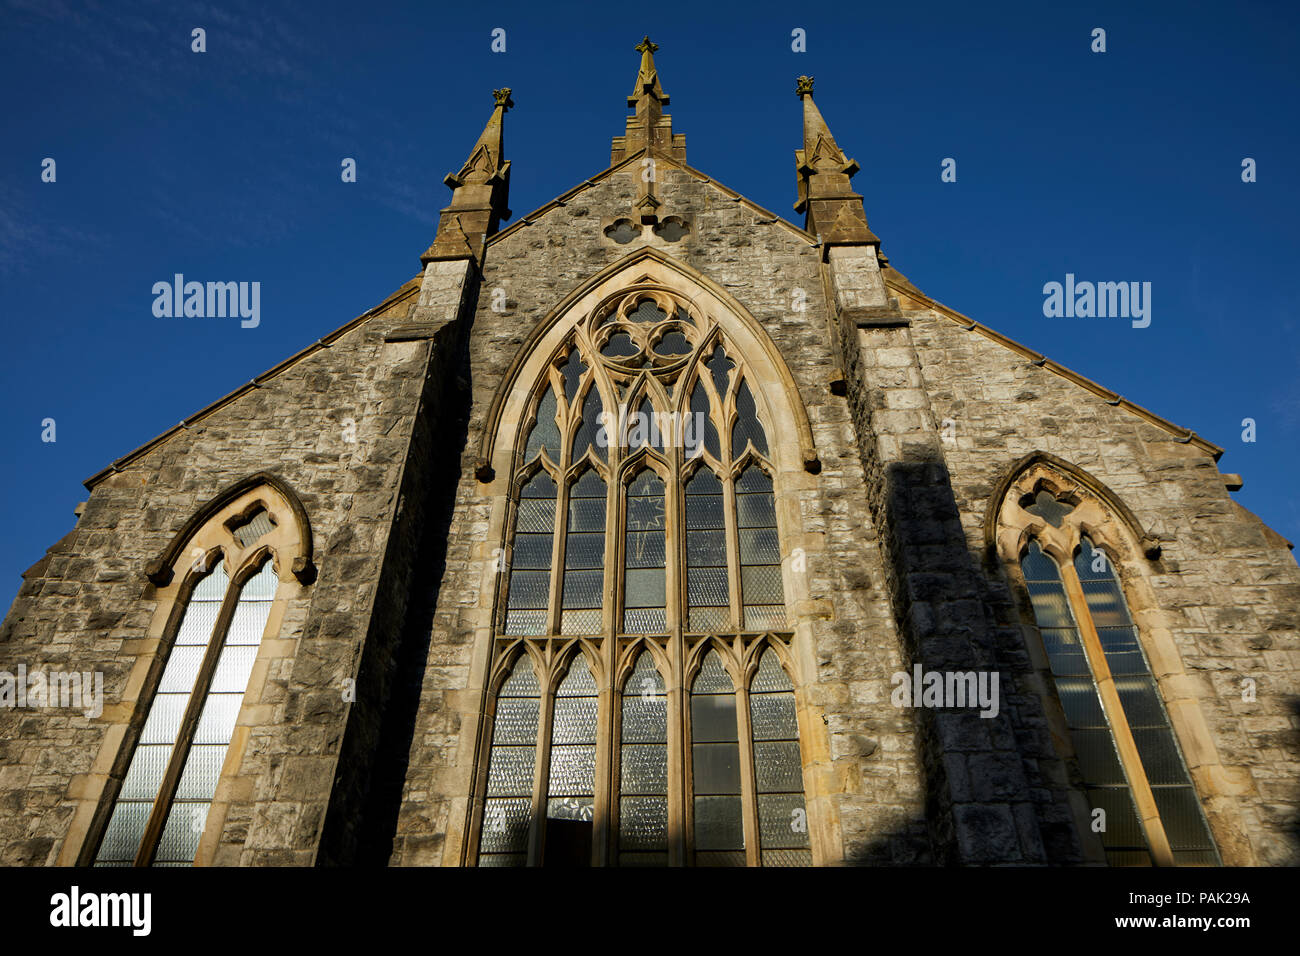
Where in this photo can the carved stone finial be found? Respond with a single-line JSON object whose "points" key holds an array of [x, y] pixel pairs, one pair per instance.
{"points": [[803, 85], [502, 97], [646, 45]]}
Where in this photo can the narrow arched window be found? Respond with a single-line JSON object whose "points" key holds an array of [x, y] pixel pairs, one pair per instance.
{"points": [[509, 805], [644, 525], [778, 768], [1142, 799], [162, 807], [715, 767], [643, 776]]}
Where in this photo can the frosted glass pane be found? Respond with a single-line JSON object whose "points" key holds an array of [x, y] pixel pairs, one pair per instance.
{"points": [[1106, 604], [200, 618], [256, 526], [571, 808], [575, 720], [213, 586], [529, 589], [776, 766], [202, 770], [233, 667], [248, 622], [262, 585], [1180, 812], [1051, 609], [761, 585], [525, 622], [643, 823], [580, 622], [584, 589], [573, 770], [772, 716], [755, 511], [124, 832], [787, 858], [585, 551], [522, 681], [1141, 701], [712, 676], [164, 721], [182, 667], [180, 835], [148, 764], [765, 618], [643, 620], [587, 514], [1097, 758], [645, 719], [510, 772], [718, 824], [771, 676], [532, 552], [707, 587], [704, 511], [1160, 758], [645, 768], [782, 821], [536, 515], [516, 720], [505, 825], [1038, 566], [709, 619], [1080, 702], [217, 720], [759, 546]]}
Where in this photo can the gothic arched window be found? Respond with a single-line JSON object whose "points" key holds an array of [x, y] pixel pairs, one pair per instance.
{"points": [[223, 606], [643, 528], [1140, 795]]}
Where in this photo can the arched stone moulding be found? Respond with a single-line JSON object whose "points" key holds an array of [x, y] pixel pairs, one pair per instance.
{"points": [[206, 537], [1110, 524], [281, 500], [777, 394]]}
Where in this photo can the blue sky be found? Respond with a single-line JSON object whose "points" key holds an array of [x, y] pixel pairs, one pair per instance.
{"points": [[226, 166]]}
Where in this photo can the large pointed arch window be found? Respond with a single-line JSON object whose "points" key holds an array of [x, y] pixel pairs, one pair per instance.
{"points": [[1141, 798], [643, 556]]}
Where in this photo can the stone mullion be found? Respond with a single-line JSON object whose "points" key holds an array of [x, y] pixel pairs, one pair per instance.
{"points": [[608, 721], [679, 731], [1130, 759], [748, 784], [541, 773], [732, 522]]}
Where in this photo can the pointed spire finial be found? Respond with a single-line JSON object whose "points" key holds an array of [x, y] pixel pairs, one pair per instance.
{"points": [[480, 192], [649, 127], [833, 210]]}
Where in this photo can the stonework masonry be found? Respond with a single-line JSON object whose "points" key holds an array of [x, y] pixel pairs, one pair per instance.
{"points": [[365, 744]]}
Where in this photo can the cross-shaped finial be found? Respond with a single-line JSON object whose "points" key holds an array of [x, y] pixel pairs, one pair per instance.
{"points": [[502, 97], [645, 46], [803, 85]]}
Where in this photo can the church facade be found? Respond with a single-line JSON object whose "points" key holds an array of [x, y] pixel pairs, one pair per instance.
{"points": [[654, 529]]}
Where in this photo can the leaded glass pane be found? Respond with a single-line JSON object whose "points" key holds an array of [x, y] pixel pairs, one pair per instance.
{"points": [[755, 510], [718, 825], [125, 829], [759, 546], [644, 768], [580, 622], [180, 836], [505, 826], [747, 428], [516, 720], [508, 809], [537, 515], [773, 716], [258, 524], [590, 433], [770, 676], [704, 512], [765, 618], [620, 345], [700, 430], [643, 825], [776, 766], [529, 589], [545, 434], [647, 311], [707, 587], [644, 620], [582, 589], [521, 623], [673, 344], [782, 820], [532, 552], [202, 770], [572, 371]]}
